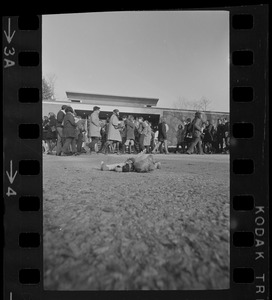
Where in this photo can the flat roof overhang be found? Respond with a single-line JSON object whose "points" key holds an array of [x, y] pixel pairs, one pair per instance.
{"points": [[99, 99]]}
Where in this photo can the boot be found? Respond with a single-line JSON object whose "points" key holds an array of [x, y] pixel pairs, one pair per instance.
{"points": [[124, 149]]}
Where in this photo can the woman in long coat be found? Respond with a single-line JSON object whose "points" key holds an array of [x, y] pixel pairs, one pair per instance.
{"points": [[51, 137], [147, 136], [69, 132], [113, 129], [113, 132], [94, 129]]}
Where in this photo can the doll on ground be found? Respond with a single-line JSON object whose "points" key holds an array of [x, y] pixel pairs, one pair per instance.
{"points": [[141, 163]]}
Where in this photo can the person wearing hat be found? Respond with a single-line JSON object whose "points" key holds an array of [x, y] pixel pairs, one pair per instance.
{"points": [[59, 127], [197, 131], [162, 137], [188, 133], [94, 129], [113, 132], [69, 132]]}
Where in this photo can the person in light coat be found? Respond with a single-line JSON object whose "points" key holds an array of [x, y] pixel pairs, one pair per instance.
{"points": [[113, 129], [114, 135], [147, 136], [94, 129]]}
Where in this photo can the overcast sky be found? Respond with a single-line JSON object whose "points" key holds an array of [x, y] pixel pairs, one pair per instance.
{"points": [[164, 55]]}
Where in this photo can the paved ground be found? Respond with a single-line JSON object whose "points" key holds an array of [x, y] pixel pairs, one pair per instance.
{"points": [[167, 230]]}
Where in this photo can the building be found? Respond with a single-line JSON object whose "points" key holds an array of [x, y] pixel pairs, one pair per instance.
{"points": [[83, 104]]}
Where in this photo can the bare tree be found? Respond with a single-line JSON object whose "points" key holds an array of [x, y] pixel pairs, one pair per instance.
{"points": [[183, 103], [48, 87], [203, 104]]}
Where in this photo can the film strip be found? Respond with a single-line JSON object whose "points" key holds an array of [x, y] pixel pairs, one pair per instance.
{"points": [[22, 115]]}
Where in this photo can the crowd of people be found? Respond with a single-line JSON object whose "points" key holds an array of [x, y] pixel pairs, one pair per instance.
{"points": [[69, 134], [197, 136]]}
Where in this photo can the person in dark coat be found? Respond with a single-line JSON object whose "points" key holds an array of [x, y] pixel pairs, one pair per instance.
{"points": [[220, 135], [137, 135], [197, 131], [69, 132], [188, 133], [45, 125], [180, 137], [152, 142], [123, 133], [227, 135], [130, 134], [60, 140], [208, 137], [51, 137], [104, 133], [162, 137]]}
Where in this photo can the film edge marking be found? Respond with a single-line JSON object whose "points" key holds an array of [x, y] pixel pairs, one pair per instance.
{"points": [[11, 178], [259, 233], [7, 62]]}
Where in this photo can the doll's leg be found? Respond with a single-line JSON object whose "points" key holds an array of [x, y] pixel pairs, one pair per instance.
{"points": [[111, 167]]}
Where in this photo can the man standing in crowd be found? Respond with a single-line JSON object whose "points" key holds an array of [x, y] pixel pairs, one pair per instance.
{"points": [[137, 135], [162, 137], [197, 131], [104, 133], [142, 132], [51, 133], [94, 129], [45, 126], [180, 137], [123, 133], [208, 137], [113, 132], [220, 135], [227, 135], [188, 133], [69, 132], [130, 134], [60, 139]]}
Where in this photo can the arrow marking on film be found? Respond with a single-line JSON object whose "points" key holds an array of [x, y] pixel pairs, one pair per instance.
{"points": [[8, 36], [10, 177]]}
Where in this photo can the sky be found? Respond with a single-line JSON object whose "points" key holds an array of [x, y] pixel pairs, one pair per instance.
{"points": [[167, 55]]}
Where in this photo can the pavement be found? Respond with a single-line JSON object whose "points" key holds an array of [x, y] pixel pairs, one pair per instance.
{"points": [[164, 230]]}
